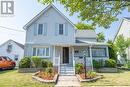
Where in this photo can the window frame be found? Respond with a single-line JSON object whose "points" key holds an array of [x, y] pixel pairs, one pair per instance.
{"points": [[36, 50], [38, 29], [100, 55], [63, 29]]}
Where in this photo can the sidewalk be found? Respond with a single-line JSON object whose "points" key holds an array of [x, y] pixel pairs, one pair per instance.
{"points": [[67, 81]]}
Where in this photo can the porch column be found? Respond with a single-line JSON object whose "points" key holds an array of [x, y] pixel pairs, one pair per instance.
{"points": [[73, 58], [90, 48], [107, 52], [54, 56]]}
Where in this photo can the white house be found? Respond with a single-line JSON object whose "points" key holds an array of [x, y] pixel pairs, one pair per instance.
{"points": [[51, 35], [13, 50], [124, 29]]}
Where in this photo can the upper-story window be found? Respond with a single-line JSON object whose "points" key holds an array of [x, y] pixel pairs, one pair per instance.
{"points": [[40, 29], [9, 47], [61, 29]]}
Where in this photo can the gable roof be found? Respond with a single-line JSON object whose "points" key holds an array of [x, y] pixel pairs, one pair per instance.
{"points": [[125, 18], [19, 44], [42, 12], [85, 34]]}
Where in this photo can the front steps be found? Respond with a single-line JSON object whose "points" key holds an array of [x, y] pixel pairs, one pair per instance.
{"points": [[67, 70]]}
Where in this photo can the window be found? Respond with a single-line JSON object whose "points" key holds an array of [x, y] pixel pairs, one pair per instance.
{"points": [[99, 52], [61, 29], [40, 29], [16, 57], [9, 48], [43, 52]]}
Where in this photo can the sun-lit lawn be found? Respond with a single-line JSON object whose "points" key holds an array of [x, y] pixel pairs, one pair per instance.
{"points": [[12, 78], [111, 79]]}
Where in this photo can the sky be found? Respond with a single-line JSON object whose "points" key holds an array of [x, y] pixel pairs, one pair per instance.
{"points": [[25, 10]]}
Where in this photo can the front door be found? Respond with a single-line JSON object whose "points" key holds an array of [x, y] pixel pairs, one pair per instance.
{"points": [[65, 55]]}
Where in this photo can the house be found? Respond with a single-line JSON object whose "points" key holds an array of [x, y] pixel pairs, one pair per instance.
{"points": [[124, 29], [13, 50], [51, 35]]}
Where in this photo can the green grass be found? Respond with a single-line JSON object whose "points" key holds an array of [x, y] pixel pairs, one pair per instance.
{"points": [[12, 78], [111, 79]]}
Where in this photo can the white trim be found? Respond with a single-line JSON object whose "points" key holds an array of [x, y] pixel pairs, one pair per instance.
{"points": [[54, 55]]}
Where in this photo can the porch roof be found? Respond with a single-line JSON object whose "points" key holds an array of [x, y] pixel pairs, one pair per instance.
{"points": [[81, 43]]}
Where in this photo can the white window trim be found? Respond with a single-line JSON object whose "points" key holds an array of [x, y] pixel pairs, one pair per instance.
{"points": [[42, 29], [45, 51], [63, 29]]}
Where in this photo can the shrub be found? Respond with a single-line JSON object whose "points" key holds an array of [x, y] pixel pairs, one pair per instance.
{"points": [[25, 62], [79, 68], [97, 64], [128, 64], [110, 63], [49, 64], [49, 70], [46, 63], [91, 74], [36, 61]]}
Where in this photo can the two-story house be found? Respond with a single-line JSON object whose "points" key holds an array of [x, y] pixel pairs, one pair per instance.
{"points": [[51, 35], [124, 29]]}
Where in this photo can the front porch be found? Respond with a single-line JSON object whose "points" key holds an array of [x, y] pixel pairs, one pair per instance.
{"points": [[66, 56]]}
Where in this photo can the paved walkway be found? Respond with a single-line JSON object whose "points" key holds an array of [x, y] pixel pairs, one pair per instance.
{"points": [[67, 81]]}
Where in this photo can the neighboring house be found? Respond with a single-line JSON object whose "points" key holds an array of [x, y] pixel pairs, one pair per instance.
{"points": [[124, 29], [13, 50], [51, 35]]}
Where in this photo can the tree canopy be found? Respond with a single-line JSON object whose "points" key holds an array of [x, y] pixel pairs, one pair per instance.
{"points": [[83, 26], [100, 37], [100, 13]]}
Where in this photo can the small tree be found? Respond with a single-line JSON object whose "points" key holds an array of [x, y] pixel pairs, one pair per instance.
{"points": [[122, 44], [100, 37], [112, 50]]}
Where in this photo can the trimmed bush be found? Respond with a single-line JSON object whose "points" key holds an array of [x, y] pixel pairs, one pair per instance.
{"points": [[97, 64], [46, 63], [110, 63], [128, 64], [25, 62], [36, 61], [49, 70], [79, 68]]}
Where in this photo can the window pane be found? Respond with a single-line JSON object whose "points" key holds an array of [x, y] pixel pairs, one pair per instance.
{"points": [[47, 51], [40, 29], [43, 51], [39, 53], [61, 29], [98, 52], [34, 51]]}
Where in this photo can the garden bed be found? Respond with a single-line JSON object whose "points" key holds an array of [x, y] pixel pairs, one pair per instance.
{"points": [[108, 70], [81, 78], [44, 77]]}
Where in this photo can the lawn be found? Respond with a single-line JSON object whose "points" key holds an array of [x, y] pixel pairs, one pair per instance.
{"points": [[111, 79], [12, 78]]}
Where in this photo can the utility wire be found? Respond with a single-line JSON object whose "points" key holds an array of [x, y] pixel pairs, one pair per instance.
{"points": [[11, 29]]}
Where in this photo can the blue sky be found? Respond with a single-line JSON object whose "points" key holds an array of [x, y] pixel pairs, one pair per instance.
{"points": [[25, 10]]}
